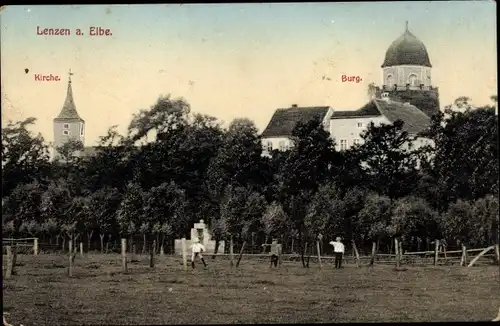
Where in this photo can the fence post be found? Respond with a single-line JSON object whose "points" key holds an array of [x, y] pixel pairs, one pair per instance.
{"points": [[241, 253], [396, 248], [70, 269], [436, 252], [356, 253], [35, 247], [8, 272], [124, 255], [319, 253], [400, 251], [231, 252], [374, 251], [152, 255], [184, 253], [14, 259]]}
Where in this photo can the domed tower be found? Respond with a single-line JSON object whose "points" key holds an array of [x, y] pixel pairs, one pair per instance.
{"points": [[406, 74]]}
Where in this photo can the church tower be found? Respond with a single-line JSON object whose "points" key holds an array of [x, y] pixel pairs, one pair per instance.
{"points": [[406, 74], [68, 124]]}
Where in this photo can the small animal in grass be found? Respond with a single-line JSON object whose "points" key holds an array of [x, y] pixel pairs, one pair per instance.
{"points": [[196, 252]]}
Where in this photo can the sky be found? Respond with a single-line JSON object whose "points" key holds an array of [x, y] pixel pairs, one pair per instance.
{"points": [[232, 60]]}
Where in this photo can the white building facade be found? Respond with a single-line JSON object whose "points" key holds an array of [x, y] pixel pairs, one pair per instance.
{"points": [[406, 78]]}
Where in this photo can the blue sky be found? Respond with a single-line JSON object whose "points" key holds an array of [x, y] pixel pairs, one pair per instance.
{"points": [[243, 59]]}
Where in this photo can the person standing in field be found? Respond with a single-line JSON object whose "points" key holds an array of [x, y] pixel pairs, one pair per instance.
{"points": [[338, 249], [196, 249], [275, 252]]}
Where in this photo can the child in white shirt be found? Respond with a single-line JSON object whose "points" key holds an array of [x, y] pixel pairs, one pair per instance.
{"points": [[196, 249], [338, 248]]}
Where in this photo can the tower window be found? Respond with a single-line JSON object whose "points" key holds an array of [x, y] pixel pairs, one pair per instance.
{"points": [[66, 126], [66, 132], [356, 141], [82, 126], [412, 80], [360, 124]]}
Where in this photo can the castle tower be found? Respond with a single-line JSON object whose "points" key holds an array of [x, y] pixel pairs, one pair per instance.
{"points": [[406, 74], [68, 124]]}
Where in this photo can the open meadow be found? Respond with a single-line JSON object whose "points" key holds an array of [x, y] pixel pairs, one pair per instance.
{"points": [[41, 293]]}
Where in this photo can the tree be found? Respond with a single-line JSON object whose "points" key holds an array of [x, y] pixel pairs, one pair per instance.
{"points": [[324, 215], [130, 211], [24, 156], [414, 218], [101, 212], [73, 223], [457, 222], [111, 166], [68, 151], [23, 204], [51, 228], [485, 214], [352, 203], [165, 115], [164, 206], [274, 221], [325, 212], [304, 169], [175, 147], [388, 159], [219, 231], [465, 156], [8, 228], [238, 160], [30, 227], [307, 166], [155, 135], [376, 215], [241, 209], [57, 203]]}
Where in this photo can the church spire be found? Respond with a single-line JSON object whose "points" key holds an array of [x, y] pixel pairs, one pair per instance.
{"points": [[68, 111]]}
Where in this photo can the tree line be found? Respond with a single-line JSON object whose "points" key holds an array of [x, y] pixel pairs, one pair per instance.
{"points": [[172, 168]]}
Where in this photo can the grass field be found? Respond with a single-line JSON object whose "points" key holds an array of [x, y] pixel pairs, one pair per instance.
{"points": [[99, 293]]}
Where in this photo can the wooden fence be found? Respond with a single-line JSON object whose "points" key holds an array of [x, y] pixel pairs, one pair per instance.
{"points": [[439, 256]]}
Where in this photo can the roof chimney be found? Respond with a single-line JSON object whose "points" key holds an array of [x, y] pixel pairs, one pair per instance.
{"points": [[294, 105]]}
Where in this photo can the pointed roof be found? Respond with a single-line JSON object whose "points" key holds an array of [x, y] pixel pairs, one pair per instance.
{"points": [[68, 111]]}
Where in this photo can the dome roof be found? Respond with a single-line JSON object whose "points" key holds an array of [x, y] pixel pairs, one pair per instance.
{"points": [[407, 50]]}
